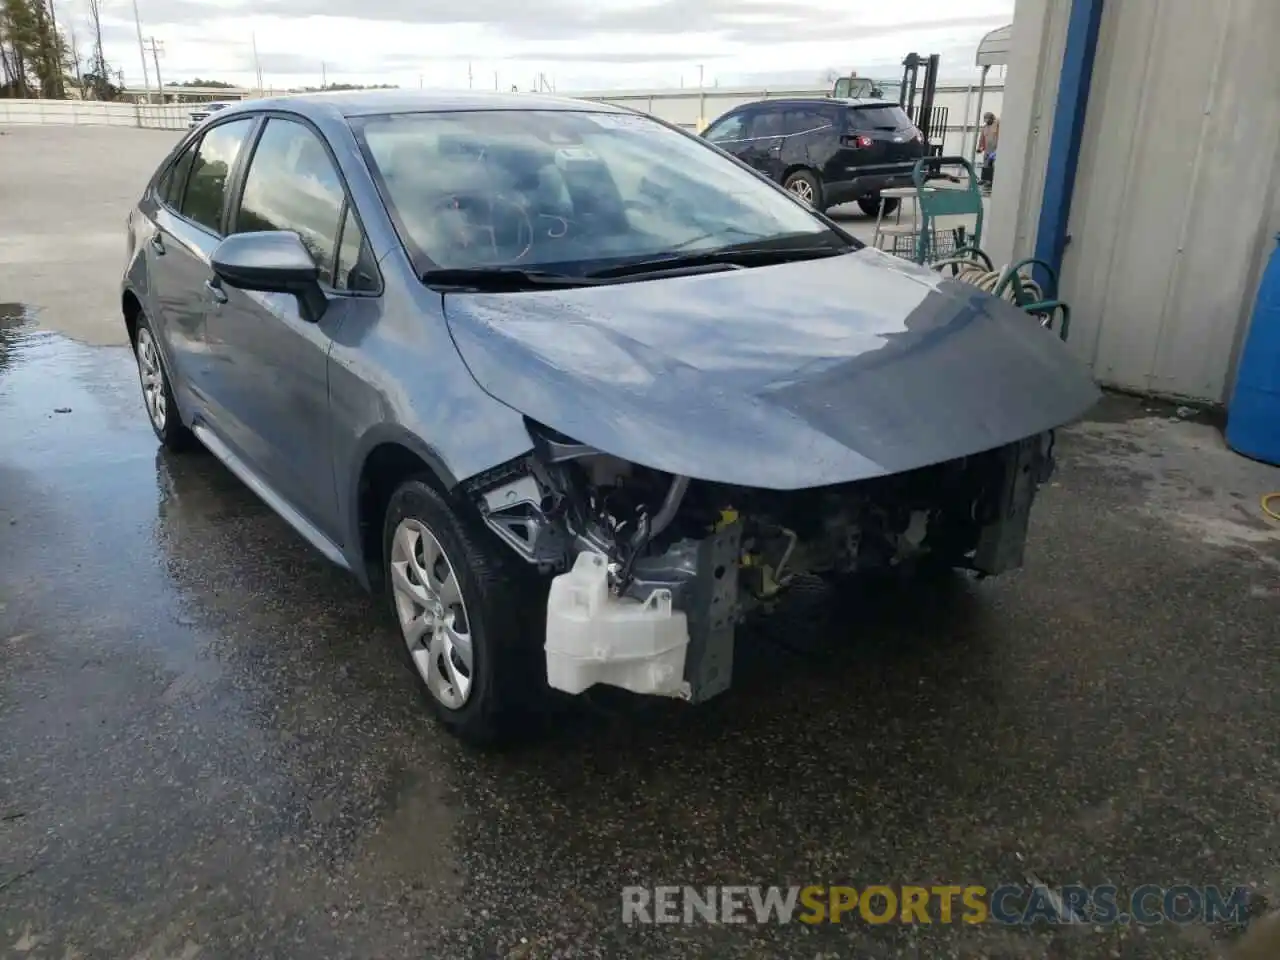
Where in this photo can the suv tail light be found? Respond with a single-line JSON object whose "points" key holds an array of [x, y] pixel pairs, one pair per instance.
{"points": [[857, 141]]}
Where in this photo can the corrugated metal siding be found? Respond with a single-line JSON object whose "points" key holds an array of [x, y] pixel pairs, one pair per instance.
{"points": [[1177, 194]]}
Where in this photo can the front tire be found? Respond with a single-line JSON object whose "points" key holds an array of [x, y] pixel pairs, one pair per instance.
{"points": [[157, 392], [871, 205], [806, 187], [469, 629]]}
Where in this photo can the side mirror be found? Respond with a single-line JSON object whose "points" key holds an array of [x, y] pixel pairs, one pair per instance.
{"points": [[271, 261]]}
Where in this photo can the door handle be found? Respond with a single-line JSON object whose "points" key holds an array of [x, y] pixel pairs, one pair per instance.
{"points": [[215, 290], [157, 244]]}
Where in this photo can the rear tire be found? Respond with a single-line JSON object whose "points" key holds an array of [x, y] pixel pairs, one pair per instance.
{"points": [[806, 187], [157, 392], [468, 620], [871, 205]]}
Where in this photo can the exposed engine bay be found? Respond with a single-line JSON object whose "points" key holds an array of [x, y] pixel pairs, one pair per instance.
{"points": [[651, 573]]}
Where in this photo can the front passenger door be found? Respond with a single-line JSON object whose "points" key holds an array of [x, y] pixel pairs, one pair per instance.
{"points": [[729, 133], [763, 146], [273, 361]]}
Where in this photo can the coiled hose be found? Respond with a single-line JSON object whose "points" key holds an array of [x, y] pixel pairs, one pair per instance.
{"points": [[1269, 510], [973, 272]]}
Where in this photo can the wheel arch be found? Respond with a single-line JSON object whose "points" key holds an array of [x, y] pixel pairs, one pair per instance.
{"points": [[806, 167], [389, 456], [131, 307]]}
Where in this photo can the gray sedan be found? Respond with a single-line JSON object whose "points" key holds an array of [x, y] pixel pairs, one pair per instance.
{"points": [[574, 389]]}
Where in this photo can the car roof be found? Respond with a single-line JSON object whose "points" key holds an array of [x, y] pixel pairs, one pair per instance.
{"points": [[821, 101], [357, 103]]}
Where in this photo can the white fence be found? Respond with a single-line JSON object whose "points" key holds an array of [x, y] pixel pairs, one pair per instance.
{"points": [[169, 116], [692, 109]]}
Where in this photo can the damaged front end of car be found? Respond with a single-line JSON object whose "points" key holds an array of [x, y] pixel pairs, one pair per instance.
{"points": [[651, 573]]}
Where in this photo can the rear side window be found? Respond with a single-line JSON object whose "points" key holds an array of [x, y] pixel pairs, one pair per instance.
{"points": [[886, 117], [801, 120], [214, 159]]}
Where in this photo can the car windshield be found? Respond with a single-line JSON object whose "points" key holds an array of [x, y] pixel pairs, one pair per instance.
{"points": [[570, 191]]}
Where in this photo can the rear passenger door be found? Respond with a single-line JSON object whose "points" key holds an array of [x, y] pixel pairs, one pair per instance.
{"points": [[272, 378], [188, 218], [811, 137]]}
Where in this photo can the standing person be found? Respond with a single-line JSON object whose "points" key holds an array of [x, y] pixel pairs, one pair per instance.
{"points": [[988, 140]]}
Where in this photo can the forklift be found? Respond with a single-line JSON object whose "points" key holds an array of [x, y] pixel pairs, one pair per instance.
{"points": [[919, 76]]}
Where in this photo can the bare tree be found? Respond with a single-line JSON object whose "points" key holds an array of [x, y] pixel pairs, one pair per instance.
{"points": [[75, 60], [101, 73]]}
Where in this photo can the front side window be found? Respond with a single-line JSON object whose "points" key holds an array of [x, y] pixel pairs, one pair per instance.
{"points": [[569, 189], [730, 128], [214, 160], [293, 185], [172, 184], [355, 269]]}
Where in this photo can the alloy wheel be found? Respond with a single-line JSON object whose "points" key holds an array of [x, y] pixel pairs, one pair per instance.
{"points": [[803, 189], [152, 377], [432, 614]]}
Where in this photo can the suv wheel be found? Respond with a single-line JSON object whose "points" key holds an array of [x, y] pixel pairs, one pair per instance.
{"points": [[871, 205], [157, 393], [806, 187], [469, 630]]}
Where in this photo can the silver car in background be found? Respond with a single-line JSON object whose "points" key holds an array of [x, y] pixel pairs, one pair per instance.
{"points": [[203, 111]]}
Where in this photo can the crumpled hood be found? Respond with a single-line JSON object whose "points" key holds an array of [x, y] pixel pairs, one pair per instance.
{"points": [[796, 375]]}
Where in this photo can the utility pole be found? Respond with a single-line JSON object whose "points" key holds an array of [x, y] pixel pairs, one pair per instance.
{"points": [[469, 76], [699, 76], [495, 80], [157, 51], [324, 75], [257, 67], [137, 22]]}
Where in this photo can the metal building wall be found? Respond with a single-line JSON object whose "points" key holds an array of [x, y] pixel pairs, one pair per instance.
{"points": [[1177, 194], [1178, 191]]}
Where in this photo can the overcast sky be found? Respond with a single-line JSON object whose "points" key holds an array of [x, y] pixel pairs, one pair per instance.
{"points": [[578, 44]]}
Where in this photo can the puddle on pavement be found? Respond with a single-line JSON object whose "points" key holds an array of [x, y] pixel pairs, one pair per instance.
{"points": [[170, 650], [83, 491]]}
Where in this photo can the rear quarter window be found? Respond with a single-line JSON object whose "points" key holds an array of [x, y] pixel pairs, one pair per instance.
{"points": [[878, 118]]}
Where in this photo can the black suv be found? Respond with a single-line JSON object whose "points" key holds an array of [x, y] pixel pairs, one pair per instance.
{"points": [[826, 151]]}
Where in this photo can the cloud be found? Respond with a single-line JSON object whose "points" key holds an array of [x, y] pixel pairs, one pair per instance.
{"points": [[733, 21], [585, 44]]}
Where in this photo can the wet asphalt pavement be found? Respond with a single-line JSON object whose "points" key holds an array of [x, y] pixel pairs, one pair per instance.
{"points": [[209, 747]]}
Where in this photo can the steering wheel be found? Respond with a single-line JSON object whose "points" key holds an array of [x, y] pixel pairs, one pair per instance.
{"points": [[496, 226]]}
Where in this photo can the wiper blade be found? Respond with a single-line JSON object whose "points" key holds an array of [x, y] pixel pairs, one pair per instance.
{"points": [[501, 278], [745, 256]]}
